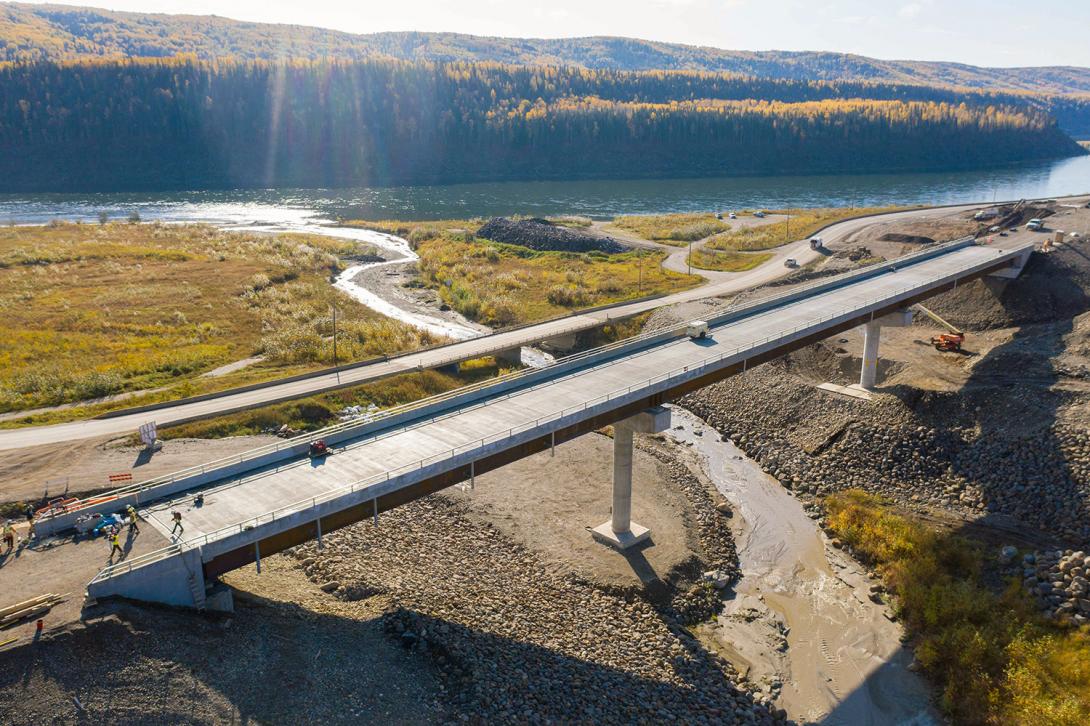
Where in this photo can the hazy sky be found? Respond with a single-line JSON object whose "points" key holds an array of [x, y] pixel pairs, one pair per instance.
{"points": [[981, 32]]}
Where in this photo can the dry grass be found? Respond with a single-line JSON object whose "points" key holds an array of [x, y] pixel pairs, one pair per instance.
{"points": [[94, 310], [802, 224], [675, 229], [502, 285], [727, 261]]}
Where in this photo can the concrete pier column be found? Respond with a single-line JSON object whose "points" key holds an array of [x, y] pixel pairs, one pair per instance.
{"points": [[620, 531], [622, 477], [871, 333], [869, 375]]}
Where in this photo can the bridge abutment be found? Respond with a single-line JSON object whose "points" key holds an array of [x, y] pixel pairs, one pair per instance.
{"points": [[620, 531]]}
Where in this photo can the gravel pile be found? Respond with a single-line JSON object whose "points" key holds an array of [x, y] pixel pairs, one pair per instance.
{"points": [[516, 640], [540, 234], [1059, 580]]}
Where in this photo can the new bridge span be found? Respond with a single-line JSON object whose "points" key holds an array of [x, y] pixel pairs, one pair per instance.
{"points": [[267, 500]]}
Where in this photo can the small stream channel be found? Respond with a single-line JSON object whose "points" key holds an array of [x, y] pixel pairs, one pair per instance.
{"points": [[397, 251], [800, 621]]}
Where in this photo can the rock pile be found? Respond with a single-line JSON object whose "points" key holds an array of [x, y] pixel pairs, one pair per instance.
{"points": [[515, 640], [1060, 581], [540, 234]]}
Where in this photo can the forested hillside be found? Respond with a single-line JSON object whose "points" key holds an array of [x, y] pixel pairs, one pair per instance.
{"points": [[184, 123], [58, 32]]}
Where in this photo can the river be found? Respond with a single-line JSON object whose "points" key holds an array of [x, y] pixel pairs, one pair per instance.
{"points": [[598, 199], [800, 620]]}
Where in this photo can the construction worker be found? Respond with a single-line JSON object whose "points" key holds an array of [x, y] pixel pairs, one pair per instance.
{"points": [[115, 544], [177, 516], [9, 535], [133, 529], [30, 520]]}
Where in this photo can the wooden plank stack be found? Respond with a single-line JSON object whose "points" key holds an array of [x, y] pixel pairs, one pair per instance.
{"points": [[27, 609]]}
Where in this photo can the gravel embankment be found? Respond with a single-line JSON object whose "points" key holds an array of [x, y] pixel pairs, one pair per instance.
{"points": [[514, 640]]}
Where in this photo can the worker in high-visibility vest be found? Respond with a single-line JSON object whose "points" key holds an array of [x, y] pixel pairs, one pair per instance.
{"points": [[133, 529], [9, 535], [115, 544]]}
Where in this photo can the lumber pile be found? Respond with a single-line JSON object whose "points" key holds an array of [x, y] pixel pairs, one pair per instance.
{"points": [[28, 609]]}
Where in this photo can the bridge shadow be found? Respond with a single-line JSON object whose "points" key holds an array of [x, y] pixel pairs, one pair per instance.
{"points": [[277, 662]]}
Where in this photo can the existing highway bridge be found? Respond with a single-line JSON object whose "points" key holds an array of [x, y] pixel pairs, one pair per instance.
{"points": [[504, 341], [276, 497]]}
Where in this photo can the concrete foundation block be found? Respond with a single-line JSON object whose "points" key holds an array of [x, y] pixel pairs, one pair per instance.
{"points": [[620, 540], [853, 391]]}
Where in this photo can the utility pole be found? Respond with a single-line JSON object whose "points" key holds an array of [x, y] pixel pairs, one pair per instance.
{"points": [[788, 229], [639, 256], [334, 335], [690, 257]]}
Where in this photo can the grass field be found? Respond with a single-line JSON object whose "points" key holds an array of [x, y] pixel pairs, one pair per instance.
{"points": [[672, 229], [89, 311], [995, 661], [727, 261], [802, 224], [501, 285]]}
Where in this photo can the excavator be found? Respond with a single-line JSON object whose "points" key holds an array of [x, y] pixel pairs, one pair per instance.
{"points": [[945, 342]]}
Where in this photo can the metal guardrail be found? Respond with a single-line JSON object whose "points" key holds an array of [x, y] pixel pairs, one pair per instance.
{"points": [[664, 380], [634, 341]]}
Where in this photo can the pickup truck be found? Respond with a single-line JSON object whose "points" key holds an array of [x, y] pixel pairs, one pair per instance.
{"points": [[1035, 225]]}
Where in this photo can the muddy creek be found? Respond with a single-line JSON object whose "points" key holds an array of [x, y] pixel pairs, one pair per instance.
{"points": [[800, 621]]}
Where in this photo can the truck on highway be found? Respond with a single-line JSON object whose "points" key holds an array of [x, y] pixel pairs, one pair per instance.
{"points": [[1035, 225]]}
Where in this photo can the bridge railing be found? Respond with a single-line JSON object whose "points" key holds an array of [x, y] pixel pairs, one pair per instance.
{"points": [[525, 374], [663, 380]]}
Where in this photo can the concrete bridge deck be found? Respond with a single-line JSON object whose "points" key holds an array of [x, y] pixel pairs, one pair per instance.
{"points": [[252, 513]]}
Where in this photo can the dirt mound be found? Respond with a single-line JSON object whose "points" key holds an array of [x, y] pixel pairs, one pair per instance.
{"points": [[854, 254], [911, 239], [1054, 286], [540, 234]]}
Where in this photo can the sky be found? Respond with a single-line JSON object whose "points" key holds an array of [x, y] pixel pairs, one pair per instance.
{"points": [[978, 32]]}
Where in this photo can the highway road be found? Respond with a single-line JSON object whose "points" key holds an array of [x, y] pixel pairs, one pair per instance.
{"points": [[436, 357]]}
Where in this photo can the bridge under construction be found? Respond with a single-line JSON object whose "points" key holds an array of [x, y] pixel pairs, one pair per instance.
{"points": [[264, 501]]}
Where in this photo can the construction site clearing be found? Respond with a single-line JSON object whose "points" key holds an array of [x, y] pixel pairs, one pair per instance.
{"points": [[1025, 343]]}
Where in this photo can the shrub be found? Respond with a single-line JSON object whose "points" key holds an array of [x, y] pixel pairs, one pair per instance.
{"points": [[567, 295], [95, 385]]}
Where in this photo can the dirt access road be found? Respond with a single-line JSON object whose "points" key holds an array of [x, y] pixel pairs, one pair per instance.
{"points": [[436, 357]]}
